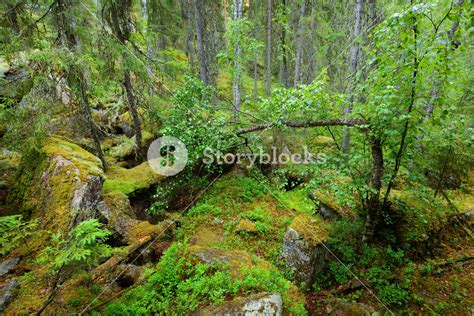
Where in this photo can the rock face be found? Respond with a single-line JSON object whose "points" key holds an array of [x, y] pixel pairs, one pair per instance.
{"points": [[8, 293], [303, 248], [8, 265], [259, 304]]}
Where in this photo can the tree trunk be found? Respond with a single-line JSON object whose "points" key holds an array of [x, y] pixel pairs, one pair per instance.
{"points": [[200, 45], [373, 202], [399, 157], [132, 106], [268, 44], [186, 15], [353, 67], [237, 61], [77, 76], [299, 45], [255, 53]]}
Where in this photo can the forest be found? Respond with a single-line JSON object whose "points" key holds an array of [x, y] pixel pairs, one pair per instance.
{"points": [[236, 157]]}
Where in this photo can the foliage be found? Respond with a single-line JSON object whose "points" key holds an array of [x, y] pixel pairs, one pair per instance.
{"points": [[82, 247], [178, 285], [13, 231]]}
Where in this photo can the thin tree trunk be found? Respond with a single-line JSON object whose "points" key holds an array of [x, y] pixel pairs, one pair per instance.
{"points": [[78, 76], [299, 45], [132, 106], [238, 61], [199, 36], [284, 58], [353, 67], [268, 66], [399, 157], [255, 53], [150, 53], [373, 203], [187, 18]]}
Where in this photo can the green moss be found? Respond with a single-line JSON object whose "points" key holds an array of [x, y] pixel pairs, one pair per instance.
{"points": [[312, 228], [87, 163], [128, 181], [47, 180], [297, 199]]}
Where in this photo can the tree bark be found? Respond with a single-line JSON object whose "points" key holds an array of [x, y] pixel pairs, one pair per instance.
{"points": [[268, 44], [132, 106], [299, 45], [237, 61], [255, 54], [200, 45], [373, 202], [353, 67]]}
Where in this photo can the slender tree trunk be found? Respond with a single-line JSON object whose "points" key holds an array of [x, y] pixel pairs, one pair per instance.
{"points": [[238, 61], [353, 67], [268, 44], [150, 54], [255, 53], [373, 12], [78, 75], [399, 157], [284, 55], [373, 202], [199, 36], [186, 15], [132, 106], [299, 44]]}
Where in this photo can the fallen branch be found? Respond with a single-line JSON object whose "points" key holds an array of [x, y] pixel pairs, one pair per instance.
{"points": [[300, 124]]}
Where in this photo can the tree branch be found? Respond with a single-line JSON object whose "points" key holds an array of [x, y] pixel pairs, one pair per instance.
{"points": [[292, 123]]}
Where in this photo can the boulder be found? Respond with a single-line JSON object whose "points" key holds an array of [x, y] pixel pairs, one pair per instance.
{"points": [[8, 293], [8, 265], [61, 186], [303, 248], [258, 304]]}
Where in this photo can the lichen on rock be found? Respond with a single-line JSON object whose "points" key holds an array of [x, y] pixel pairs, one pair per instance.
{"points": [[303, 249]]}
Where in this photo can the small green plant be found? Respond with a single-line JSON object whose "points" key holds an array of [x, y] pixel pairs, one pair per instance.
{"points": [[73, 252], [13, 231]]}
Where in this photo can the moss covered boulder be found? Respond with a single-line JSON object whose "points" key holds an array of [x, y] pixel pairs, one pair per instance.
{"points": [[130, 181], [60, 186], [303, 248]]}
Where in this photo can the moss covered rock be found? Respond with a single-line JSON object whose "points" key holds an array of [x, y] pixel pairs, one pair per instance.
{"points": [[61, 185], [129, 181], [303, 248]]}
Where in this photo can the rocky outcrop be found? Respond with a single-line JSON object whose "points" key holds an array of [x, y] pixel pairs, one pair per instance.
{"points": [[259, 304], [8, 265], [303, 248], [8, 293]]}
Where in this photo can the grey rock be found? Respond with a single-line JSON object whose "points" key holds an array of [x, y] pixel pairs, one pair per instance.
{"points": [[129, 274], [304, 256], [8, 265], [263, 304], [8, 293], [85, 200]]}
